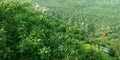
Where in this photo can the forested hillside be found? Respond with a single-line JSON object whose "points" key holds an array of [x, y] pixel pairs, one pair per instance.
{"points": [[59, 30]]}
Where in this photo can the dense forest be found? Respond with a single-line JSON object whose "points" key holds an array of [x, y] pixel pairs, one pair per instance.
{"points": [[59, 30]]}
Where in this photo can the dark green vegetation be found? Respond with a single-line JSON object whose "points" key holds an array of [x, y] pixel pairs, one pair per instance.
{"points": [[26, 34]]}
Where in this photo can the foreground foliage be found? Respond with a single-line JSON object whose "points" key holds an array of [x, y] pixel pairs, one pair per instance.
{"points": [[26, 34]]}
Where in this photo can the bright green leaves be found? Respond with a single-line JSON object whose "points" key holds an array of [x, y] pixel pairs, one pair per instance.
{"points": [[26, 34]]}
